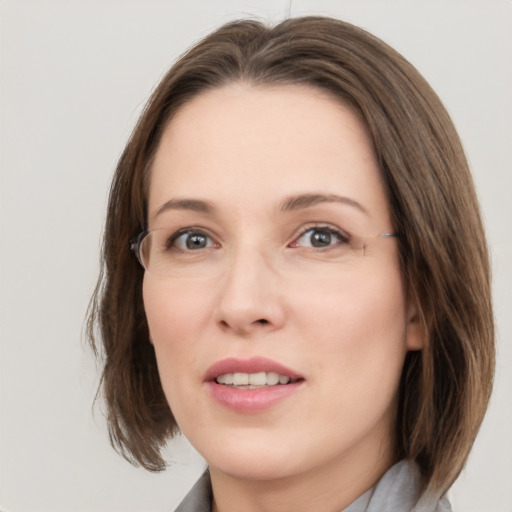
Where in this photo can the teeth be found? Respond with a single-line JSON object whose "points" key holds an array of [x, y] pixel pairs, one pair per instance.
{"points": [[252, 379], [257, 379], [227, 378], [240, 379], [272, 379]]}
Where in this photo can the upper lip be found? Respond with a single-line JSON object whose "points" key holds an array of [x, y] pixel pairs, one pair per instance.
{"points": [[252, 365]]}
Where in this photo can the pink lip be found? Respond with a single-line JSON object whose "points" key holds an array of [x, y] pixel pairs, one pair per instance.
{"points": [[250, 400]]}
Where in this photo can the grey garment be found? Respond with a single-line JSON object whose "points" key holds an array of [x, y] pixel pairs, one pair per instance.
{"points": [[199, 499], [396, 491]]}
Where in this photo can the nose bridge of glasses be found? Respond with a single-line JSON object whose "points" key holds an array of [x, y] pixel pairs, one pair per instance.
{"points": [[251, 261]]}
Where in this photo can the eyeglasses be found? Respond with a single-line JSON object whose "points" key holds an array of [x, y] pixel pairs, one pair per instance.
{"points": [[166, 252]]}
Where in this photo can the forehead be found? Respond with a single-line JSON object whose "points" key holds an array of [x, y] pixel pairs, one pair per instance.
{"points": [[254, 145]]}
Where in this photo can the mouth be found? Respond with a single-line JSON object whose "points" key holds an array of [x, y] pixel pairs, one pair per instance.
{"points": [[251, 385], [256, 371], [257, 380]]}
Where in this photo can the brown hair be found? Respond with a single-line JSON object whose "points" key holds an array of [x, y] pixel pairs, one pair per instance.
{"points": [[445, 387]]}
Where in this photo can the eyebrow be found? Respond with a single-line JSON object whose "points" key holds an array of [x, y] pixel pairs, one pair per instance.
{"points": [[291, 203], [195, 205], [301, 201]]}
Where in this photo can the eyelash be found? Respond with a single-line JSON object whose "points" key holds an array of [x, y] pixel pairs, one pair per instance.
{"points": [[340, 236]]}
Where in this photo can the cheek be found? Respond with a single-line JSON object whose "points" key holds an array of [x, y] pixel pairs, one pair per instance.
{"points": [[360, 324], [174, 320], [358, 350], [173, 312]]}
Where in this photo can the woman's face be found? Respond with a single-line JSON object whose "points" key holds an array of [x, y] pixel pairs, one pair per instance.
{"points": [[260, 197]]}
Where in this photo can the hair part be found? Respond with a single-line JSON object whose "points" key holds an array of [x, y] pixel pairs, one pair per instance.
{"points": [[445, 387]]}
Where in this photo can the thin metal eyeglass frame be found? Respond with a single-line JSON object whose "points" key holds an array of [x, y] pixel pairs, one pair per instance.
{"points": [[136, 241]]}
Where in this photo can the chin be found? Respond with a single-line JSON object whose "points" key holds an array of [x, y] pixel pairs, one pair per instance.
{"points": [[263, 469], [248, 461]]}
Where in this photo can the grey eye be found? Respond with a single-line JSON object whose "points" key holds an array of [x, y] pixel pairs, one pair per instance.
{"points": [[191, 241], [320, 238]]}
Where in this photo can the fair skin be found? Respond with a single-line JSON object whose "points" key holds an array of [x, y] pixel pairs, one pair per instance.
{"points": [[267, 276]]}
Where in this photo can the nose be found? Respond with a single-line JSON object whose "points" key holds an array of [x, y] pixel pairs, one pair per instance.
{"points": [[250, 296]]}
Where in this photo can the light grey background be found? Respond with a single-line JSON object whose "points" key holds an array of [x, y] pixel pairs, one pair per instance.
{"points": [[74, 76]]}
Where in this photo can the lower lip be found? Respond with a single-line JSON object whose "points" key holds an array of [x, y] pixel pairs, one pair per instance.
{"points": [[251, 400]]}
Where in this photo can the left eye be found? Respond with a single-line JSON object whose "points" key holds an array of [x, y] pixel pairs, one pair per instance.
{"points": [[320, 238]]}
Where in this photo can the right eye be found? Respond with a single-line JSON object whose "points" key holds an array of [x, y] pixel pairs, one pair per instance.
{"points": [[190, 240]]}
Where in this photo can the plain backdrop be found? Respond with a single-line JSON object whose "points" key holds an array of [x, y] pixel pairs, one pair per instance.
{"points": [[74, 76]]}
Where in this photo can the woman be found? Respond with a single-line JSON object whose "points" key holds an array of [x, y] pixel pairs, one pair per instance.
{"points": [[312, 304]]}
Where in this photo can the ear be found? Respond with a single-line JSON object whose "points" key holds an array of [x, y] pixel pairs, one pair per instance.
{"points": [[415, 335]]}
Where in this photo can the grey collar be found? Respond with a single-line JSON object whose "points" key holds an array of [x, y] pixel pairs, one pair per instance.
{"points": [[396, 491], [199, 499]]}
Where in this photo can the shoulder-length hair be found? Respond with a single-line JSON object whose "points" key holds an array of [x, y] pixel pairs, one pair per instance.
{"points": [[445, 387]]}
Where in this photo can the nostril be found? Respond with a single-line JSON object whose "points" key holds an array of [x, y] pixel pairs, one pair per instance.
{"points": [[262, 321]]}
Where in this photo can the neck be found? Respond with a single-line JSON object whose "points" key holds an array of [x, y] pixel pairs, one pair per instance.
{"points": [[330, 488]]}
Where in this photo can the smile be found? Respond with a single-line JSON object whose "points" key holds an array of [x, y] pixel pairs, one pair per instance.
{"points": [[251, 385], [252, 380]]}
